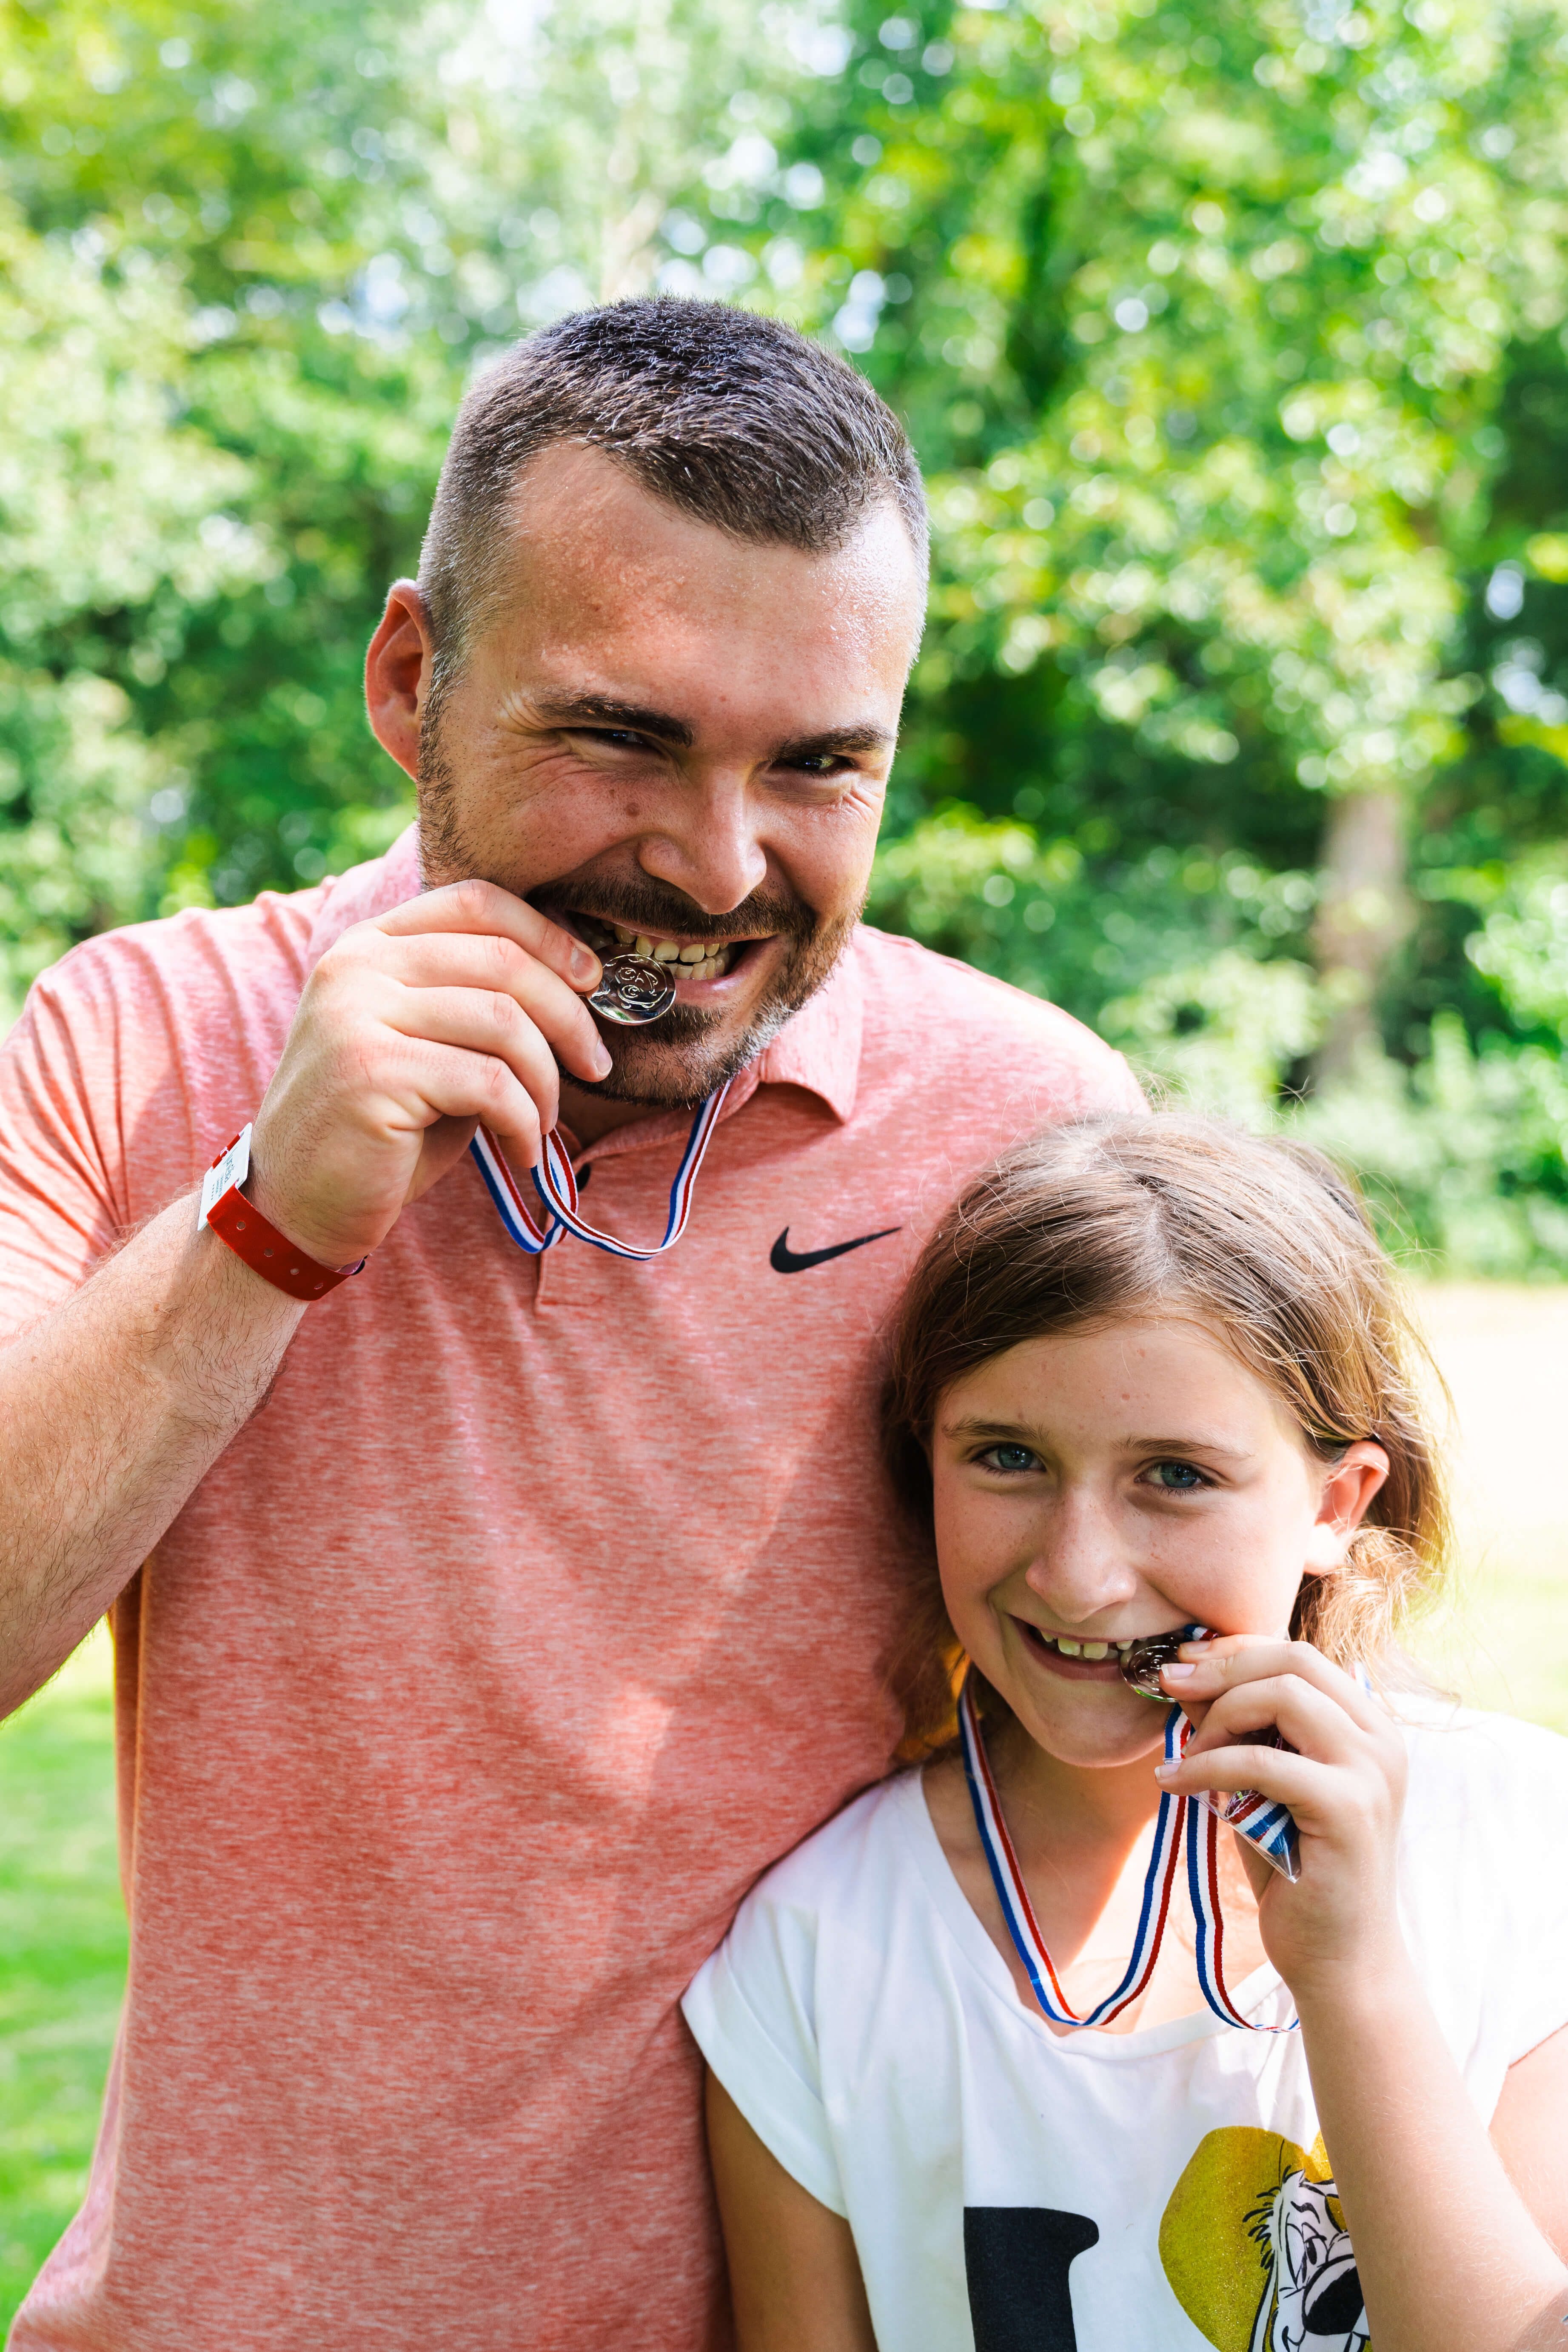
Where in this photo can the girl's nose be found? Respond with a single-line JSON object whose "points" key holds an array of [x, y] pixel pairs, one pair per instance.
{"points": [[1081, 1566]]}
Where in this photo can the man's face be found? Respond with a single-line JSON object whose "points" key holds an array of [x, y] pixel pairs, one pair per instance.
{"points": [[676, 742]]}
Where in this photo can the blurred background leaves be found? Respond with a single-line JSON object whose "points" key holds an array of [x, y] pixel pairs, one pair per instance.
{"points": [[1232, 342]]}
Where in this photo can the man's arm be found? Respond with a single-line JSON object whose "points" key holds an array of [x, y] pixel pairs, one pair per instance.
{"points": [[113, 1410], [454, 1008]]}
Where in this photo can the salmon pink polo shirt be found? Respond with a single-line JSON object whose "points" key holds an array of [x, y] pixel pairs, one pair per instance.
{"points": [[538, 1610]]}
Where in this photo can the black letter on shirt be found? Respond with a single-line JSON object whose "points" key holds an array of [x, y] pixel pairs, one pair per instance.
{"points": [[1016, 2259]]}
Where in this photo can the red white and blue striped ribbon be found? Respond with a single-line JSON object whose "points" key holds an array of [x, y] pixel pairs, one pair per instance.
{"points": [[556, 1184], [1159, 1882], [1202, 1826]]}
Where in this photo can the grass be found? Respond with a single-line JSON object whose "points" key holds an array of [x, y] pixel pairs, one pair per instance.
{"points": [[62, 1926], [62, 1956]]}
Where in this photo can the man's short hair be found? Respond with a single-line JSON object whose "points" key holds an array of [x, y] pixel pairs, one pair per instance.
{"points": [[733, 417]]}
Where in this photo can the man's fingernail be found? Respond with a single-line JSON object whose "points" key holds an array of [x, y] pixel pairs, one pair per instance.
{"points": [[602, 1064], [585, 964], [1178, 1674]]}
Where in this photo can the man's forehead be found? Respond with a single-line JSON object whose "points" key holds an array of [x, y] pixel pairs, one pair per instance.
{"points": [[584, 532]]}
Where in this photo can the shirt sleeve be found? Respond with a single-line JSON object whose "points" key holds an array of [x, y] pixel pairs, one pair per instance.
{"points": [[751, 2010], [1532, 1943], [62, 1196]]}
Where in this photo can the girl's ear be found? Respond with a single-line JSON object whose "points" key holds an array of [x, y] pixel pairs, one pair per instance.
{"points": [[1349, 1485]]}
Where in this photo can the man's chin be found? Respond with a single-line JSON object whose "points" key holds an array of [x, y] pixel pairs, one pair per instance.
{"points": [[676, 1062]]}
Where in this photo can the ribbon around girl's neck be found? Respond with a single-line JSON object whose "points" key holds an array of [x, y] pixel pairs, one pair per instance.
{"points": [[556, 1185], [1176, 1814]]}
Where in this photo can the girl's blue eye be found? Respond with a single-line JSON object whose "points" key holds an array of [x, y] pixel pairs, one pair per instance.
{"points": [[1010, 1458], [1178, 1477]]}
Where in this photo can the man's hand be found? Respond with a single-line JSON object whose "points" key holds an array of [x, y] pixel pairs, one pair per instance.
{"points": [[411, 1030]]}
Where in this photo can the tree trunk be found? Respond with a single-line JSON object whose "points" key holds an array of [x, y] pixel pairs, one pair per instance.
{"points": [[1363, 914]]}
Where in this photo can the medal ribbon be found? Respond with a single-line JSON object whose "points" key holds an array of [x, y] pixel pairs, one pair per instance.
{"points": [[1201, 1824], [556, 1185]]}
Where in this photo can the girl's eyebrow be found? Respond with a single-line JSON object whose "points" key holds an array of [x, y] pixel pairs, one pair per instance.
{"points": [[1023, 1432], [976, 1427]]}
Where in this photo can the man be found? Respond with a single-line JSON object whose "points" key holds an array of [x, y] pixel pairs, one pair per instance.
{"points": [[502, 1615]]}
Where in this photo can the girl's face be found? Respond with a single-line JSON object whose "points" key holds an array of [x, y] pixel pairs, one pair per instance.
{"points": [[1104, 1483]]}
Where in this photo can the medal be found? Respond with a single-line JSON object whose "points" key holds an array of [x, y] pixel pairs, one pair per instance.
{"points": [[1178, 1814], [634, 988], [1267, 1828]]}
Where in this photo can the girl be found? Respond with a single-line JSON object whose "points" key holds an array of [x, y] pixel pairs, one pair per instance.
{"points": [[1151, 1375]]}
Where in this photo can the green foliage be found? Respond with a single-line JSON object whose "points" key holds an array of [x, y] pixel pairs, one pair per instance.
{"points": [[1233, 350]]}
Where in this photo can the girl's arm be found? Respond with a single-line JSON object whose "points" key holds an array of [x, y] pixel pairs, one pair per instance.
{"points": [[1448, 2251], [1451, 2254], [1527, 2131], [794, 2275]]}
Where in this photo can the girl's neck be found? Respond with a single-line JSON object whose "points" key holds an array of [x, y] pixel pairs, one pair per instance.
{"points": [[1048, 1801]]}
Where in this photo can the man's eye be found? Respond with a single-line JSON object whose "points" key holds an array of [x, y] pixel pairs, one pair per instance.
{"points": [[1010, 1458], [1178, 1477], [815, 763]]}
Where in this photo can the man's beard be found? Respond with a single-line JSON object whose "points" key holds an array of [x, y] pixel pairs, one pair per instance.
{"points": [[679, 1060]]}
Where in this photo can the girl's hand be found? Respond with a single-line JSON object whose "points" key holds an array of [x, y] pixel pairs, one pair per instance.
{"points": [[1344, 1784]]}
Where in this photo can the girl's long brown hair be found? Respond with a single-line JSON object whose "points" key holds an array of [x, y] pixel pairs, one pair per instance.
{"points": [[1262, 1242]]}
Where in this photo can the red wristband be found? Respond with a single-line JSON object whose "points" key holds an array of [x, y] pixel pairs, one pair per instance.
{"points": [[265, 1250]]}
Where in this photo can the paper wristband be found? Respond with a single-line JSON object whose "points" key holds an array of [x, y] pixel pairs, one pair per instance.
{"points": [[268, 1253]]}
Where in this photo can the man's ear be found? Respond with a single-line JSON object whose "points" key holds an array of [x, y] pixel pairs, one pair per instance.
{"points": [[1349, 1485], [397, 673]]}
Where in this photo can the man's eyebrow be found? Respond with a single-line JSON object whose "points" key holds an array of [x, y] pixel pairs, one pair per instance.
{"points": [[603, 711], [864, 738]]}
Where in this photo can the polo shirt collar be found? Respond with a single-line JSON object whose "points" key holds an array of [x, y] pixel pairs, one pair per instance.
{"points": [[819, 1050]]}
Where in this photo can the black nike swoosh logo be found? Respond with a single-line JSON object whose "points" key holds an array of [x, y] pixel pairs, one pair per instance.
{"points": [[784, 1260]]}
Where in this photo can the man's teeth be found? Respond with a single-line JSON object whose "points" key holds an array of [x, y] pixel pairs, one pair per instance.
{"points": [[696, 961]]}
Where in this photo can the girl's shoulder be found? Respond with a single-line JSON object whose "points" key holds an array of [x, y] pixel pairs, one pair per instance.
{"points": [[1465, 1755], [851, 1865], [1484, 1867], [827, 1909]]}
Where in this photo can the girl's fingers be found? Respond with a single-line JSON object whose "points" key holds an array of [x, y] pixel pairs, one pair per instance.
{"points": [[1237, 1660], [1310, 1719], [1313, 1791]]}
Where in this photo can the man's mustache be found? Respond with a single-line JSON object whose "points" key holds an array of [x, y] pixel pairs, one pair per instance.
{"points": [[644, 907]]}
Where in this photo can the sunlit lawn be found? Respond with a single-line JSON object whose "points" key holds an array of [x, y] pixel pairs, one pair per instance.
{"points": [[62, 1927], [62, 1956]]}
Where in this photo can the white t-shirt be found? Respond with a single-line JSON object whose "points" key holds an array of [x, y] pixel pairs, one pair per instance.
{"points": [[1015, 2191]]}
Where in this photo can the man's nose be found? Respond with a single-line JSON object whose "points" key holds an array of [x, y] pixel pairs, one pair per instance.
{"points": [[1081, 1565], [706, 844]]}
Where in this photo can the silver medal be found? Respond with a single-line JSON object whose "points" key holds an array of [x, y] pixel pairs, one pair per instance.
{"points": [[634, 988], [1141, 1664]]}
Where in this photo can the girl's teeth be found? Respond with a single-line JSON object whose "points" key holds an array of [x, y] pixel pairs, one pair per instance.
{"points": [[1095, 1649], [1068, 1649]]}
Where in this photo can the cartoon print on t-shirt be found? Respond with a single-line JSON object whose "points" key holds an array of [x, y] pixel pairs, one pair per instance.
{"points": [[1256, 2250]]}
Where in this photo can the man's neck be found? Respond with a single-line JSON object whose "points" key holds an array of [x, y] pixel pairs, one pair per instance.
{"points": [[590, 1115]]}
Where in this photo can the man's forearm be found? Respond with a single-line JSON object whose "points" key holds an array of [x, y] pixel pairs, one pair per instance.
{"points": [[111, 1409]]}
